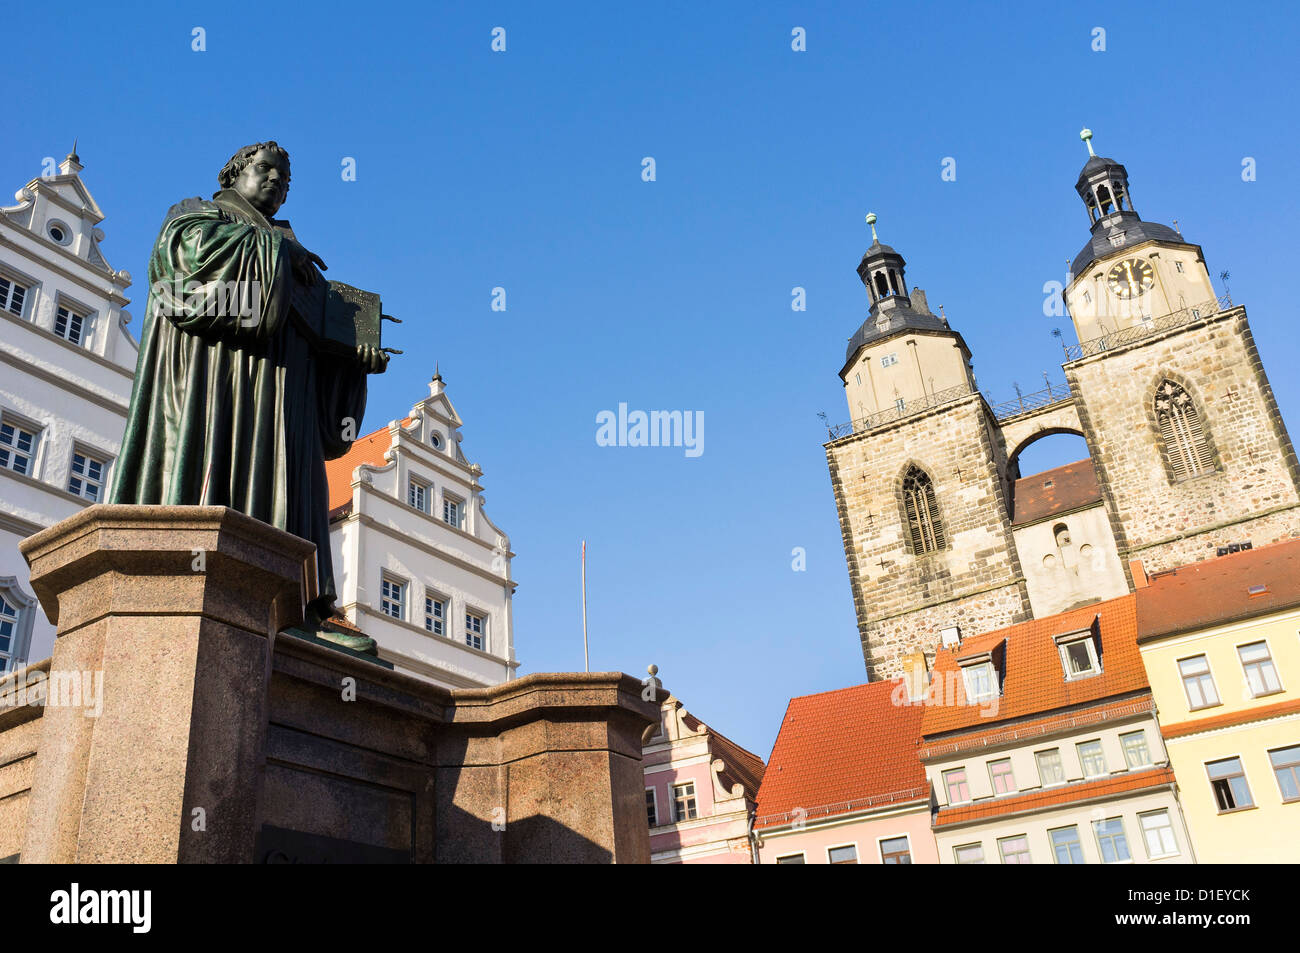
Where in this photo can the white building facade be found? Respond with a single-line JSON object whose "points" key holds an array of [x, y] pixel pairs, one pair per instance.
{"points": [[420, 567], [66, 365]]}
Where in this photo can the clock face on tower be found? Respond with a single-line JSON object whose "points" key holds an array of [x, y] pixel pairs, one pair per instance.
{"points": [[1131, 277]]}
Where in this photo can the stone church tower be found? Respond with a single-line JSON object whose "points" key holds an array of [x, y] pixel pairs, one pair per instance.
{"points": [[1188, 453]]}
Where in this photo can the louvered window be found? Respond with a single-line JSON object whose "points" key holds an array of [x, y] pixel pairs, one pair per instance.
{"points": [[1187, 448], [923, 521]]}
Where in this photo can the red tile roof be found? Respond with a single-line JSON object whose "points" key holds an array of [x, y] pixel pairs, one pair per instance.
{"points": [[338, 473], [1033, 681], [1217, 590], [1054, 491], [843, 751], [1231, 718], [1070, 793]]}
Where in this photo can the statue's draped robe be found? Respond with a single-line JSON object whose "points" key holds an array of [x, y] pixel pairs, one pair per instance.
{"points": [[228, 411]]}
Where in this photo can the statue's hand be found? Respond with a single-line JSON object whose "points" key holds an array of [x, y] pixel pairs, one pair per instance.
{"points": [[301, 260], [373, 359]]}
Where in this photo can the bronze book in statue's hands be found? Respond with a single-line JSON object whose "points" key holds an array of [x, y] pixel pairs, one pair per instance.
{"points": [[337, 317]]}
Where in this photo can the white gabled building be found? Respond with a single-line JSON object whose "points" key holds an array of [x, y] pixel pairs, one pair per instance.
{"points": [[66, 365], [420, 567]]}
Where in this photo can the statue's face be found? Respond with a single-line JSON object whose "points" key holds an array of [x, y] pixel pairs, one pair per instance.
{"points": [[264, 182]]}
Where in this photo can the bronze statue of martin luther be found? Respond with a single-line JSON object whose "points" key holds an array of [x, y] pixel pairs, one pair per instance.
{"points": [[252, 368]]}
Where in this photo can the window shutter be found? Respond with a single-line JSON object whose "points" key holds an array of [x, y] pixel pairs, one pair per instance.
{"points": [[923, 522], [1186, 445]]}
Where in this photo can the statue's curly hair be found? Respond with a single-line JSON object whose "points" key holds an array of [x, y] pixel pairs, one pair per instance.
{"points": [[232, 169]]}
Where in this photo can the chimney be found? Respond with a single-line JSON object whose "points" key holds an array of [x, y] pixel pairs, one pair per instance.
{"points": [[1140, 580], [919, 303], [916, 675]]}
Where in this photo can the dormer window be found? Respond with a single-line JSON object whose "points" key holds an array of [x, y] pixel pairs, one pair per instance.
{"points": [[1079, 658], [981, 680]]}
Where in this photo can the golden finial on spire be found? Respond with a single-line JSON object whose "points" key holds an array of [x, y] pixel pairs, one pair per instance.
{"points": [[1086, 136], [871, 220]]}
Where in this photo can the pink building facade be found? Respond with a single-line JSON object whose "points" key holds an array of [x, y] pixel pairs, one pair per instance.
{"points": [[844, 784], [700, 789]]}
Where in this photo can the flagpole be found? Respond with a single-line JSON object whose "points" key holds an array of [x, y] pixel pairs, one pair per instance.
{"points": [[586, 660]]}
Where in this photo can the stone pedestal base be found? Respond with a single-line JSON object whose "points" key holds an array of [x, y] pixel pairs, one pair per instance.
{"points": [[173, 608], [212, 740]]}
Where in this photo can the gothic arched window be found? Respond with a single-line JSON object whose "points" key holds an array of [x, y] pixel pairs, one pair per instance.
{"points": [[1186, 447], [923, 521]]}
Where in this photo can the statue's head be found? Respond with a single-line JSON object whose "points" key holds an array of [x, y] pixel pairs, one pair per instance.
{"points": [[260, 173]]}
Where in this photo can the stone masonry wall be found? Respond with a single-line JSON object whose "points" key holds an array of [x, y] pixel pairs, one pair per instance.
{"points": [[902, 599], [1253, 495]]}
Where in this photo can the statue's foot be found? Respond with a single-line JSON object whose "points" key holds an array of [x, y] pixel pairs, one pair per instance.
{"points": [[320, 619]]}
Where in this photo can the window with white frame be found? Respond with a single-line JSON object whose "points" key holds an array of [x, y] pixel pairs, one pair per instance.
{"points": [[1015, 849], [1004, 782], [17, 446], [790, 859], [1078, 656], [1050, 768], [1066, 846], [847, 854], [12, 295], [474, 625], [969, 854], [684, 801], [435, 615], [1158, 834], [651, 808], [392, 598], [1178, 266], [888, 360], [1092, 759], [69, 324], [957, 786], [981, 681], [900, 404], [1228, 781], [1111, 840], [1257, 664], [417, 495], [1198, 682], [87, 477], [895, 850], [1136, 752], [9, 630], [453, 511], [1286, 768]]}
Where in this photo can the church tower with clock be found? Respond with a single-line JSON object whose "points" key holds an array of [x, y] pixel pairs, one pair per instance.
{"points": [[1188, 454]]}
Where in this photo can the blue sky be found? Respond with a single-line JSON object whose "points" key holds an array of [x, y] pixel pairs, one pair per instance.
{"points": [[522, 170]]}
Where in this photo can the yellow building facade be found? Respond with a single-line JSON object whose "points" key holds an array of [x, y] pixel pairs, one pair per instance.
{"points": [[1220, 642]]}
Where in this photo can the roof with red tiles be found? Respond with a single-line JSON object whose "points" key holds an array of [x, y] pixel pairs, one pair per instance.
{"points": [[1218, 590], [1059, 490], [1276, 710], [1033, 679], [841, 751], [1037, 800], [369, 449]]}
